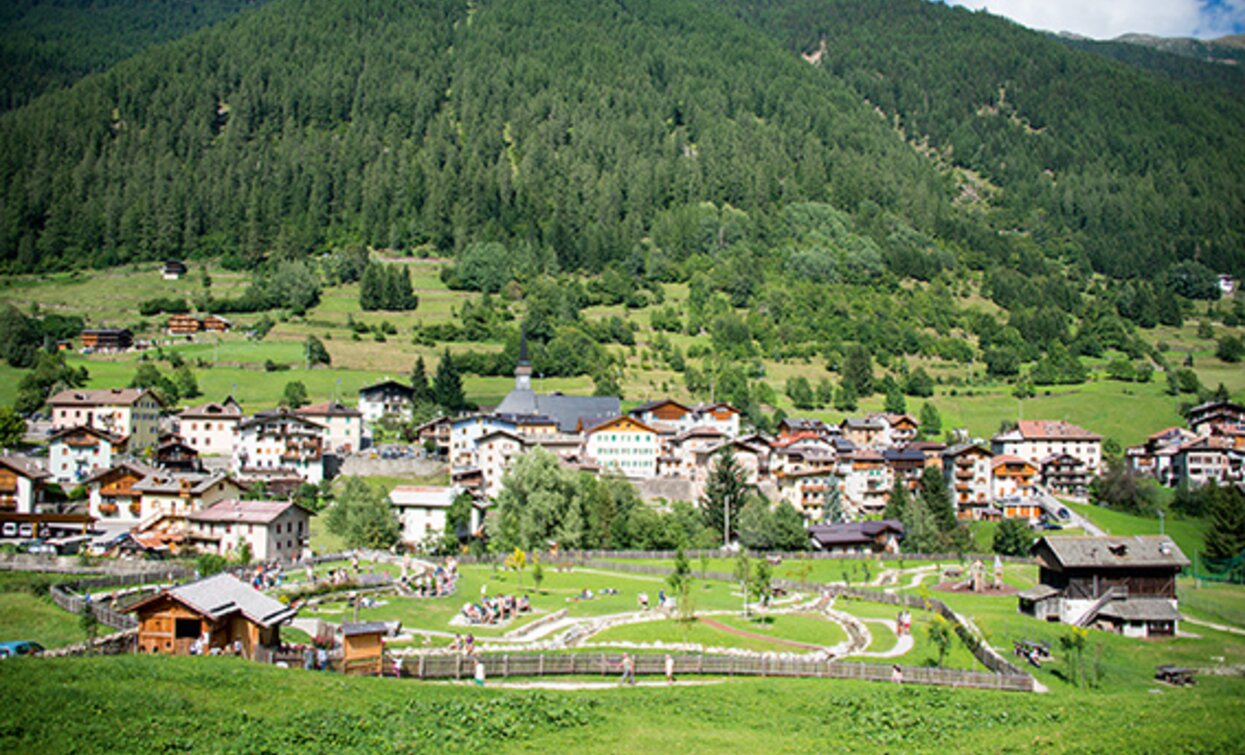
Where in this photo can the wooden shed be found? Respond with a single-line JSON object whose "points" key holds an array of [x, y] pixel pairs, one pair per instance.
{"points": [[362, 648], [220, 610]]}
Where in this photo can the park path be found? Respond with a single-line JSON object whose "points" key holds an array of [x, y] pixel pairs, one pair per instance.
{"points": [[1212, 625], [572, 686], [902, 646]]}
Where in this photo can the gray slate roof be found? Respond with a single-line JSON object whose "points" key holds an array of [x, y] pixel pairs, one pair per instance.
{"points": [[1141, 609], [1138, 550], [567, 411], [1038, 592], [222, 594], [365, 627]]}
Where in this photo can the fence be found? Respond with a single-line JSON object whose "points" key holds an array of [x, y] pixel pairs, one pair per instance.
{"points": [[68, 595], [578, 557], [602, 664]]}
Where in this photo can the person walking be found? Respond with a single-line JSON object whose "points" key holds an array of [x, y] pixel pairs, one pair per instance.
{"points": [[896, 674], [669, 669], [628, 670], [479, 673]]}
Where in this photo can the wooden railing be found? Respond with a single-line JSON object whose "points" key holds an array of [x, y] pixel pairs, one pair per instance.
{"points": [[607, 665]]}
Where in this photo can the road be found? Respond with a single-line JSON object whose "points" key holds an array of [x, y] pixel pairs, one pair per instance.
{"points": [[1052, 506]]}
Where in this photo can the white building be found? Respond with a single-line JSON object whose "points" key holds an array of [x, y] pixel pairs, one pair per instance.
{"points": [[130, 413], [170, 498], [275, 530], [1035, 440], [76, 453], [969, 473], [386, 397], [112, 497], [422, 510], [343, 426], [21, 484], [624, 445], [280, 442], [212, 428], [495, 452]]}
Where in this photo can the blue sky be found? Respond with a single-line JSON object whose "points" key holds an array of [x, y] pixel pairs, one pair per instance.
{"points": [[1105, 19]]}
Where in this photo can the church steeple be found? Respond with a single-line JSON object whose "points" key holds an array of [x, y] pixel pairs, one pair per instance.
{"points": [[523, 370]]}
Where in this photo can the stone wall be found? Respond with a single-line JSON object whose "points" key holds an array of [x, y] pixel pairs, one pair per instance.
{"points": [[360, 465]]}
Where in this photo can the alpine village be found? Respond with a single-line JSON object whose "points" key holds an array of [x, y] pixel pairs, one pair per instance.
{"points": [[622, 376]]}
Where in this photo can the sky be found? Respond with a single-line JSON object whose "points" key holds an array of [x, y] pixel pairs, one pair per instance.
{"points": [[1106, 19]]}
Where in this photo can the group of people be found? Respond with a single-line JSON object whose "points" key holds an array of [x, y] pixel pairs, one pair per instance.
{"points": [[464, 645], [315, 659], [903, 623], [435, 583], [495, 610], [663, 601], [627, 664], [267, 576]]}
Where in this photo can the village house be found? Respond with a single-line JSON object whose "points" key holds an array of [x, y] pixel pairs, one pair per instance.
{"points": [[867, 432], [211, 428], [112, 498], [677, 457], [422, 509], [76, 453], [1035, 440], [129, 413], [624, 445], [274, 530], [280, 444], [184, 325], [176, 455], [751, 458], [808, 491], [21, 484], [166, 499], [1125, 584], [904, 428], [495, 452], [386, 398], [220, 609], [907, 464], [867, 483], [343, 426], [216, 324], [1014, 481], [874, 536], [1203, 417], [106, 339], [967, 470], [1213, 458], [1153, 458], [1065, 475], [173, 270], [438, 432]]}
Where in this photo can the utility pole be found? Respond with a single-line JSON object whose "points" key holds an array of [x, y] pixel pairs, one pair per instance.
{"points": [[726, 528]]}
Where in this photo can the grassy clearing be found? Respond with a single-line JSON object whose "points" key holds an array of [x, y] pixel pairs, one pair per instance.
{"points": [[210, 704], [26, 617], [1217, 603], [1188, 534]]}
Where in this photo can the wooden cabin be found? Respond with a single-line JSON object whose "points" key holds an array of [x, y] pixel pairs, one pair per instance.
{"points": [[107, 339], [213, 615], [363, 648], [1125, 584], [216, 324], [184, 325]]}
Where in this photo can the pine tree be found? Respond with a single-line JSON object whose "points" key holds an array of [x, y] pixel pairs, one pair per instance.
{"points": [[726, 488], [937, 499], [858, 370], [832, 511], [422, 391], [895, 401], [931, 420], [897, 504], [1225, 538], [447, 386]]}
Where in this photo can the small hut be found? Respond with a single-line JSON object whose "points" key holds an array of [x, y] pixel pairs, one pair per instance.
{"points": [[362, 648], [214, 615]]}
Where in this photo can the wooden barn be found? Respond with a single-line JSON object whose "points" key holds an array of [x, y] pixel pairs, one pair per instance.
{"points": [[1125, 584], [217, 614]]}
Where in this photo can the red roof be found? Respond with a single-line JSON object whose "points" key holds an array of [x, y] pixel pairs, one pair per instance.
{"points": [[1045, 429]]}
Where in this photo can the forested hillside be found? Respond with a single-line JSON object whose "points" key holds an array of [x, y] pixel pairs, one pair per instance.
{"points": [[46, 44], [1210, 65], [1099, 162]]}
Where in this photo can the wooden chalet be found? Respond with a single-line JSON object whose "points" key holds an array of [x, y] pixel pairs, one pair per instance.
{"points": [[872, 536], [1125, 584], [173, 270], [184, 325], [107, 339], [175, 454], [219, 614], [216, 324]]}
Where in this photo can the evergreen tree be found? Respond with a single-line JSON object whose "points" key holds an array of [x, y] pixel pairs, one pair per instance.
{"points": [[832, 511], [725, 489], [1012, 538], [937, 499], [1225, 537], [921, 531], [421, 391], [447, 386], [931, 420], [316, 353], [184, 379], [362, 517], [756, 524], [895, 402], [12, 428], [898, 502], [294, 395], [845, 399], [788, 530], [858, 370]]}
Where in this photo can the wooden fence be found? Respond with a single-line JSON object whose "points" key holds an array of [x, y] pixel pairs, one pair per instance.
{"points": [[607, 665], [577, 557], [71, 595]]}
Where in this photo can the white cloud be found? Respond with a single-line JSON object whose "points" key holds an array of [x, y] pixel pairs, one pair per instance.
{"points": [[1105, 19]]}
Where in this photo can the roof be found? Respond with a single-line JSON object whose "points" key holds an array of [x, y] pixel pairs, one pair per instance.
{"points": [[904, 454], [1141, 609], [171, 484], [1038, 592], [350, 629], [567, 411], [596, 425], [864, 423], [115, 440], [387, 383], [138, 468], [1113, 552], [1047, 429], [279, 416], [650, 405], [24, 466], [328, 409], [222, 594], [849, 533], [960, 448], [249, 512], [1007, 459], [227, 409], [101, 397], [423, 496]]}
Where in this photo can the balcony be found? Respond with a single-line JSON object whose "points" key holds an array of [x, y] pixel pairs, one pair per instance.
{"points": [[108, 509], [135, 508]]}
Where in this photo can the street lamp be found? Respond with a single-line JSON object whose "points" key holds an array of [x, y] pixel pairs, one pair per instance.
{"points": [[726, 527]]}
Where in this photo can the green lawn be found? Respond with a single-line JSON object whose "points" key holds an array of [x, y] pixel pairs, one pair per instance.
{"points": [[1188, 534], [26, 617], [809, 629], [1217, 603], [212, 704]]}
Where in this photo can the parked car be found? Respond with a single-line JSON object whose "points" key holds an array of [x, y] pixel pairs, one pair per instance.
{"points": [[19, 647]]}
